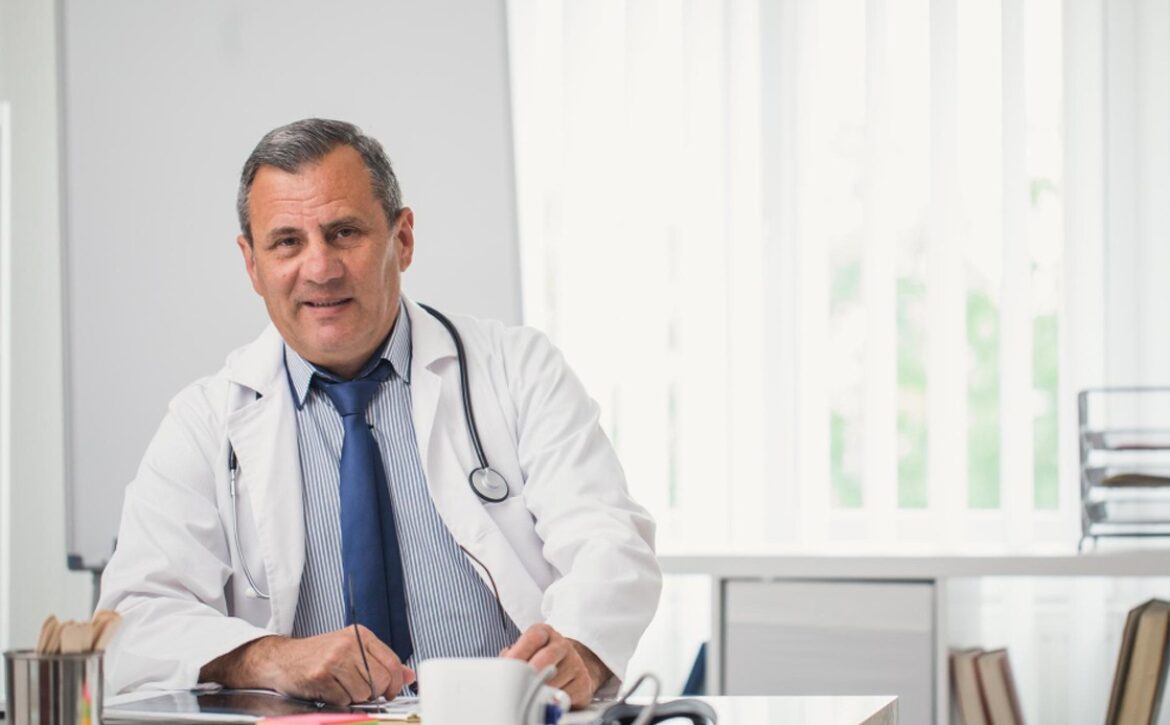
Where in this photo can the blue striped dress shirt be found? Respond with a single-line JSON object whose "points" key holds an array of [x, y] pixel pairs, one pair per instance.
{"points": [[452, 613]]}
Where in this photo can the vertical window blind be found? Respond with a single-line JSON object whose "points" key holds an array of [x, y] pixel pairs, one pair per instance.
{"points": [[810, 257]]}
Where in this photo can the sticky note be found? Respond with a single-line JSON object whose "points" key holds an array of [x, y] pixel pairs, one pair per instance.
{"points": [[323, 718]]}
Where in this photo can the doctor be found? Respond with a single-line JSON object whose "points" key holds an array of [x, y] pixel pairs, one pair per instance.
{"points": [[320, 480]]}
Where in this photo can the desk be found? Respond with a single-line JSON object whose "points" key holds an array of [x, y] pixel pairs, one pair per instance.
{"points": [[759, 711], [830, 624], [792, 711], [776, 711]]}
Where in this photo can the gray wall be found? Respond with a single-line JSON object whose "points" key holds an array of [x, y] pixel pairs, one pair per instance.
{"points": [[456, 223], [162, 103]]}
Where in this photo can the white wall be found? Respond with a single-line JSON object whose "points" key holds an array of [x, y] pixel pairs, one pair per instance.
{"points": [[34, 527], [1137, 185]]}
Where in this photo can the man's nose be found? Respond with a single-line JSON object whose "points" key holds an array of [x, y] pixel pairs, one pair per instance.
{"points": [[322, 264]]}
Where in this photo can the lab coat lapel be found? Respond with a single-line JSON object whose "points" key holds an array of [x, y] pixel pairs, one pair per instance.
{"points": [[437, 425], [429, 344], [264, 436]]}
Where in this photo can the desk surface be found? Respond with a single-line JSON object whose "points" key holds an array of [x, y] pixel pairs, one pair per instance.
{"points": [[1139, 563], [792, 711], [863, 710]]}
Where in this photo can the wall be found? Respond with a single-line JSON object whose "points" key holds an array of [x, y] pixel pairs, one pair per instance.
{"points": [[161, 103], [34, 525], [1137, 183], [447, 130]]}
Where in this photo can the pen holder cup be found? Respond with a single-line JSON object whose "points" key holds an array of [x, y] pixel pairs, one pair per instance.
{"points": [[53, 689]]}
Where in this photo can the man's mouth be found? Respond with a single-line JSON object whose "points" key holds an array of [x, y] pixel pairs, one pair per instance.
{"points": [[325, 304]]}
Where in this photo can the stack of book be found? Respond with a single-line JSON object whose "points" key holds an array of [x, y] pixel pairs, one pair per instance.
{"points": [[984, 689], [1125, 462], [1140, 676]]}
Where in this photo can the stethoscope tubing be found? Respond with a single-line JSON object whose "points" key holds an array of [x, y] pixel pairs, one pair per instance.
{"points": [[233, 471], [465, 388]]}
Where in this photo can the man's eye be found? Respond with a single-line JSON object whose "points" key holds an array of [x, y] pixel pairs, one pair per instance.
{"points": [[346, 232], [286, 241]]}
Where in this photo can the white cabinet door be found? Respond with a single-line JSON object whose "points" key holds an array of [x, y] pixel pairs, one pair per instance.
{"points": [[832, 638]]}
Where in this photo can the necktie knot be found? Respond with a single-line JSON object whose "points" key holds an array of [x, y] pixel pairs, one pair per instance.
{"points": [[352, 397]]}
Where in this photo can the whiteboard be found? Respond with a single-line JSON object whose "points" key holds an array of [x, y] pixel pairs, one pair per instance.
{"points": [[161, 103]]}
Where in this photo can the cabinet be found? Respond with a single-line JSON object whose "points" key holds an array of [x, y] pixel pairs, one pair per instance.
{"points": [[831, 638], [882, 624]]}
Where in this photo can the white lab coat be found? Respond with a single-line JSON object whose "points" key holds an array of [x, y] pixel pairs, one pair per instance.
{"points": [[568, 547]]}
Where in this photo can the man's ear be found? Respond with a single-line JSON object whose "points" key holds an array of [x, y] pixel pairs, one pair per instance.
{"points": [[249, 261], [405, 238]]}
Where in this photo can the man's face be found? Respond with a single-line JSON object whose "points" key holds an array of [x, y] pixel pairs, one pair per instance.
{"points": [[325, 259]]}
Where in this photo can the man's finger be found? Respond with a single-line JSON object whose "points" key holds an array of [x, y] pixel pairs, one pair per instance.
{"points": [[390, 663], [343, 692], [399, 674], [381, 670], [367, 691], [553, 654], [531, 642], [329, 691], [383, 678], [354, 678], [565, 674], [580, 696], [378, 678], [578, 691]]}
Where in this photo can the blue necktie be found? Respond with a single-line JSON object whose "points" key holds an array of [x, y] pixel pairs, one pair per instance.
{"points": [[369, 539]]}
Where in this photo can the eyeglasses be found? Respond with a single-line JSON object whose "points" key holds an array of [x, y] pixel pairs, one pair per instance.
{"points": [[361, 645], [495, 592]]}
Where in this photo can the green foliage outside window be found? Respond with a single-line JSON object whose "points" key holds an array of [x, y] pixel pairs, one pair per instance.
{"points": [[1045, 379], [982, 401], [912, 434], [846, 483]]}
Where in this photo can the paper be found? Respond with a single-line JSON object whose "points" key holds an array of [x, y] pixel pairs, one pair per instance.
{"points": [[400, 709]]}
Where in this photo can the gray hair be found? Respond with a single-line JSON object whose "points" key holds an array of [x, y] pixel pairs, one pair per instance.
{"points": [[290, 147]]}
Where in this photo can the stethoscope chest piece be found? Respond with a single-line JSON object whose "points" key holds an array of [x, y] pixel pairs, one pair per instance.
{"points": [[488, 485]]}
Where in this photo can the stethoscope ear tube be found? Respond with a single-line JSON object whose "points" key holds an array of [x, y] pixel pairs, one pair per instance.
{"points": [[487, 483], [464, 388], [253, 591]]}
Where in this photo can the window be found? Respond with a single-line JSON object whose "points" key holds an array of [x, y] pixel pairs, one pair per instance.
{"points": [[809, 256]]}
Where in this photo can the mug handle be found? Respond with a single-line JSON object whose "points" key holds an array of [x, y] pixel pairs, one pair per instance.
{"points": [[528, 714]]}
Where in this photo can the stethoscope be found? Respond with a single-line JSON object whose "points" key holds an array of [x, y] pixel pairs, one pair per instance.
{"points": [[485, 481]]}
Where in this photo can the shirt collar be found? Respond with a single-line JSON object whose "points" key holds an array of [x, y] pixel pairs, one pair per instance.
{"points": [[396, 349]]}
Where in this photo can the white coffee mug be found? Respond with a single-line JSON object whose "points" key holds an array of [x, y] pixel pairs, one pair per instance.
{"points": [[488, 690]]}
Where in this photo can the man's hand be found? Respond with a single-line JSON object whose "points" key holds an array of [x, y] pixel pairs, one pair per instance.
{"points": [[327, 668], [579, 672]]}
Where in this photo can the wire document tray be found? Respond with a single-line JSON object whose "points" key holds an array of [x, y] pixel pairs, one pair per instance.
{"points": [[1125, 462]]}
